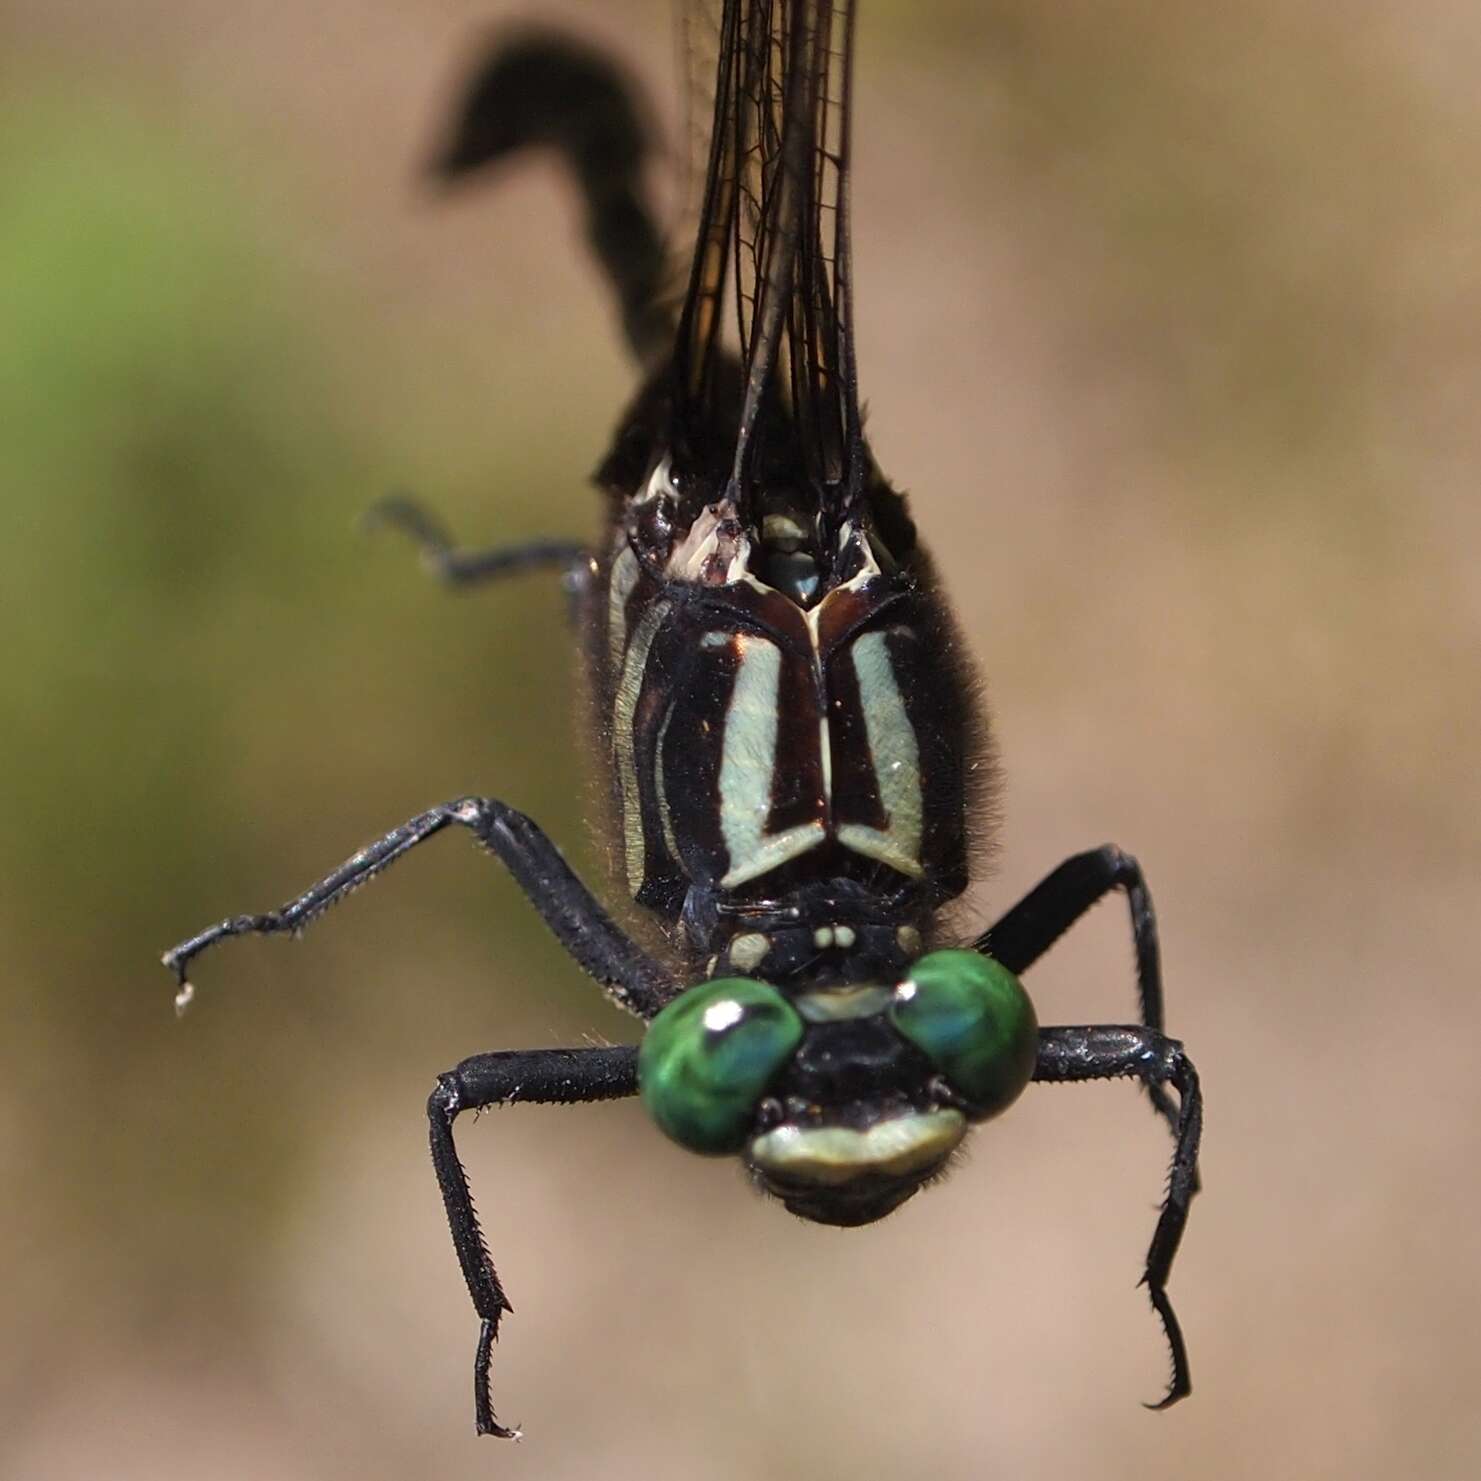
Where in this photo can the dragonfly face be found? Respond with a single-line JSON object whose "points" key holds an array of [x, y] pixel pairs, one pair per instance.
{"points": [[842, 1100]]}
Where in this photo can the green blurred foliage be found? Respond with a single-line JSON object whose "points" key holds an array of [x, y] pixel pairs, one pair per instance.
{"points": [[215, 688], [154, 390]]}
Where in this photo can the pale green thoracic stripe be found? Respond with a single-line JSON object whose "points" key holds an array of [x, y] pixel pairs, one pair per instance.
{"points": [[665, 811], [896, 756], [624, 578], [634, 663], [748, 766]]}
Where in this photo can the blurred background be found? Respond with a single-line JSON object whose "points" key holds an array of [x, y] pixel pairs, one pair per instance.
{"points": [[1170, 321]]}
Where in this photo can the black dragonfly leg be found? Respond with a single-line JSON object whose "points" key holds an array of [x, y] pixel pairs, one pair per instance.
{"points": [[1032, 926], [543, 1076], [631, 977], [461, 569], [1104, 1053]]}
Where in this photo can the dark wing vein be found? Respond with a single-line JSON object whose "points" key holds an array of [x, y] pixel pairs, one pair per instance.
{"points": [[774, 235]]}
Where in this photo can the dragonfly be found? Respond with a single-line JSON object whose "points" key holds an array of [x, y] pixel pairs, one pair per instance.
{"points": [[786, 710]]}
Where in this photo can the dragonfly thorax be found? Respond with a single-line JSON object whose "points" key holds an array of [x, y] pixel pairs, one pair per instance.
{"points": [[784, 706]]}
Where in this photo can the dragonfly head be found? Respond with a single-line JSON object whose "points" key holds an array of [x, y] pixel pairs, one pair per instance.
{"points": [[846, 1099]]}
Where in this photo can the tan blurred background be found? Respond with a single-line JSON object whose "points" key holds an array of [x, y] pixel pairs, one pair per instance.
{"points": [[1170, 320]]}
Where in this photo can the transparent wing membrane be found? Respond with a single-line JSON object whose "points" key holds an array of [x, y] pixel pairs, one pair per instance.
{"points": [[769, 281]]}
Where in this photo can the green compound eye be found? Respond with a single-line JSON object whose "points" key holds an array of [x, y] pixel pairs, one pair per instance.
{"points": [[972, 1019], [708, 1058]]}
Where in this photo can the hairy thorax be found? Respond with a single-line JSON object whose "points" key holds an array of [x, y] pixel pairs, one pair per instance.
{"points": [[785, 714]]}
